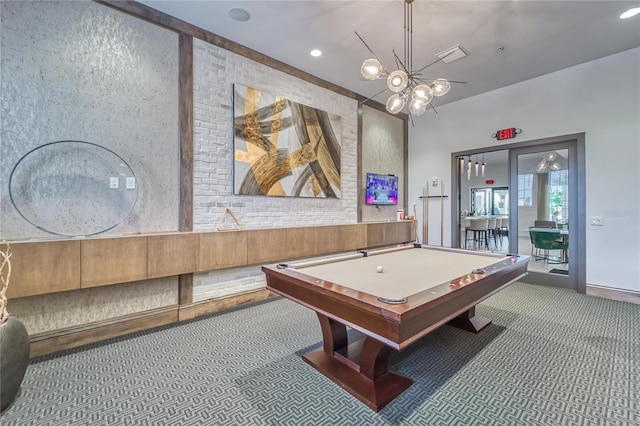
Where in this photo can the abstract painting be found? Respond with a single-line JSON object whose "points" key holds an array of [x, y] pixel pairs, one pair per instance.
{"points": [[283, 148]]}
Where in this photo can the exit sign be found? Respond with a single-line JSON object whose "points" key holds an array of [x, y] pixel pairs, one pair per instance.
{"points": [[509, 133]]}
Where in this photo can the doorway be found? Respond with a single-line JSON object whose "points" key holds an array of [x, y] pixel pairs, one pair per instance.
{"points": [[490, 201], [542, 207]]}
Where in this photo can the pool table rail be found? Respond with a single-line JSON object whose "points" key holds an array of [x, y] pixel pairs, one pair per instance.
{"points": [[397, 325]]}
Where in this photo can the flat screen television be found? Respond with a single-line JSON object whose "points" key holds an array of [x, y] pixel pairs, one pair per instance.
{"points": [[381, 189]]}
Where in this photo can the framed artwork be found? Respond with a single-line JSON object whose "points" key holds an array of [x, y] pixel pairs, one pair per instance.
{"points": [[283, 148]]}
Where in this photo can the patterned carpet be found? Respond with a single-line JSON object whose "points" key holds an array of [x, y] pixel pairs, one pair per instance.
{"points": [[551, 357]]}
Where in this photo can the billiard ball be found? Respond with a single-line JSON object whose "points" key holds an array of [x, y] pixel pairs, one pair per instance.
{"points": [[379, 269]]}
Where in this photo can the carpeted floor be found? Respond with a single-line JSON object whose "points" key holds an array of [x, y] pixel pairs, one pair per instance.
{"points": [[551, 357]]}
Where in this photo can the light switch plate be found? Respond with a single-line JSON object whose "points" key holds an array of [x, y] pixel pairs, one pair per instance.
{"points": [[131, 183], [596, 220]]}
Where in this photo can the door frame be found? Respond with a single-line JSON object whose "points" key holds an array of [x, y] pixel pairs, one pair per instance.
{"points": [[577, 202]]}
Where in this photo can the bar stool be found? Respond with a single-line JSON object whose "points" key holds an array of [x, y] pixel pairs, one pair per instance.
{"points": [[479, 227], [502, 224], [499, 228], [504, 230], [464, 224], [491, 231]]}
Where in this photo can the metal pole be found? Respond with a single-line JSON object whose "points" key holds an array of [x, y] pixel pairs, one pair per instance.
{"points": [[441, 213]]}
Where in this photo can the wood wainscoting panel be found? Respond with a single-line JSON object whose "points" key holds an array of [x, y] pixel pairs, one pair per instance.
{"points": [[340, 238], [379, 234], [223, 249], [267, 245], [388, 233], [302, 242], [43, 267], [172, 254], [407, 230], [105, 261]]}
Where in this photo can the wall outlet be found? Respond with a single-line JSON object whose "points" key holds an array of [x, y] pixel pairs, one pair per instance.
{"points": [[596, 220], [114, 183], [131, 183], [434, 181]]}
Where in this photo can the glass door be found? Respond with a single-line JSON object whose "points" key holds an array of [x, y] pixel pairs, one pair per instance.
{"points": [[543, 205], [482, 193]]}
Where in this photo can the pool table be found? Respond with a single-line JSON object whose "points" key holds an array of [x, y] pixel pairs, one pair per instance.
{"points": [[394, 297]]}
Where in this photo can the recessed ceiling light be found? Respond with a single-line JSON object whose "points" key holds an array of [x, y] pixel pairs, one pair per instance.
{"points": [[239, 15], [316, 52], [629, 13]]}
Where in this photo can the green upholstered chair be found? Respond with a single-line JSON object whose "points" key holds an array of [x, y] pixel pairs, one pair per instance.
{"points": [[545, 224], [547, 241], [535, 245]]}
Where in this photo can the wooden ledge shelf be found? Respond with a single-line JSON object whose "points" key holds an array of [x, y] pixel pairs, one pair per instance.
{"points": [[49, 266]]}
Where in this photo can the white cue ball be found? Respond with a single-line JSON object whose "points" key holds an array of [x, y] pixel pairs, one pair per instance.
{"points": [[379, 269]]}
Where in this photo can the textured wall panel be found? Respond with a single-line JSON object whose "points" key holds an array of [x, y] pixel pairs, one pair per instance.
{"points": [[382, 152], [82, 71], [72, 308]]}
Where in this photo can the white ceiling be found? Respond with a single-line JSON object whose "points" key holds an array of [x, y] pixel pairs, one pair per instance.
{"points": [[537, 37]]}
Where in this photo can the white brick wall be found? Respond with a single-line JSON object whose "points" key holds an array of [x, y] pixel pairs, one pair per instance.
{"points": [[215, 72], [225, 282]]}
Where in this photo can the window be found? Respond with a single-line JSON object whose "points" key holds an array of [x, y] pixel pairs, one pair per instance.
{"points": [[558, 196], [525, 189]]}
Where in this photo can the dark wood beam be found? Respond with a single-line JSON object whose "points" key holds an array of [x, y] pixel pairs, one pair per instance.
{"points": [[185, 111]]}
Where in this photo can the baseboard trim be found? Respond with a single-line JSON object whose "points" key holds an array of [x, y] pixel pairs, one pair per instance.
{"points": [[206, 307], [613, 293]]}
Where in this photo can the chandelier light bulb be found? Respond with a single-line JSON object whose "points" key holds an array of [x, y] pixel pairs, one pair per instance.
{"points": [[441, 87], [371, 69], [395, 103], [405, 81], [417, 106], [422, 91], [483, 168], [630, 13], [461, 164], [555, 167], [542, 166], [476, 168], [397, 81], [415, 103], [551, 156]]}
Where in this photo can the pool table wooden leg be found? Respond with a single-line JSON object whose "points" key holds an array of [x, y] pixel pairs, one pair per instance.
{"points": [[361, 368], [468, 321]]}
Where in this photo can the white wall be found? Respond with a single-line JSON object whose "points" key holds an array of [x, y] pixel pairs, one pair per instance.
{"points": [[561, 103]]}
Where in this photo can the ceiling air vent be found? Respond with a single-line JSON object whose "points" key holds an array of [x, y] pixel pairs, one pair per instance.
{"points": [[452, 54]]}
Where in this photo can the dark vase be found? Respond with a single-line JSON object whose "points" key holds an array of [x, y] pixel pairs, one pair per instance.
{"points": [[14, 359]]}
